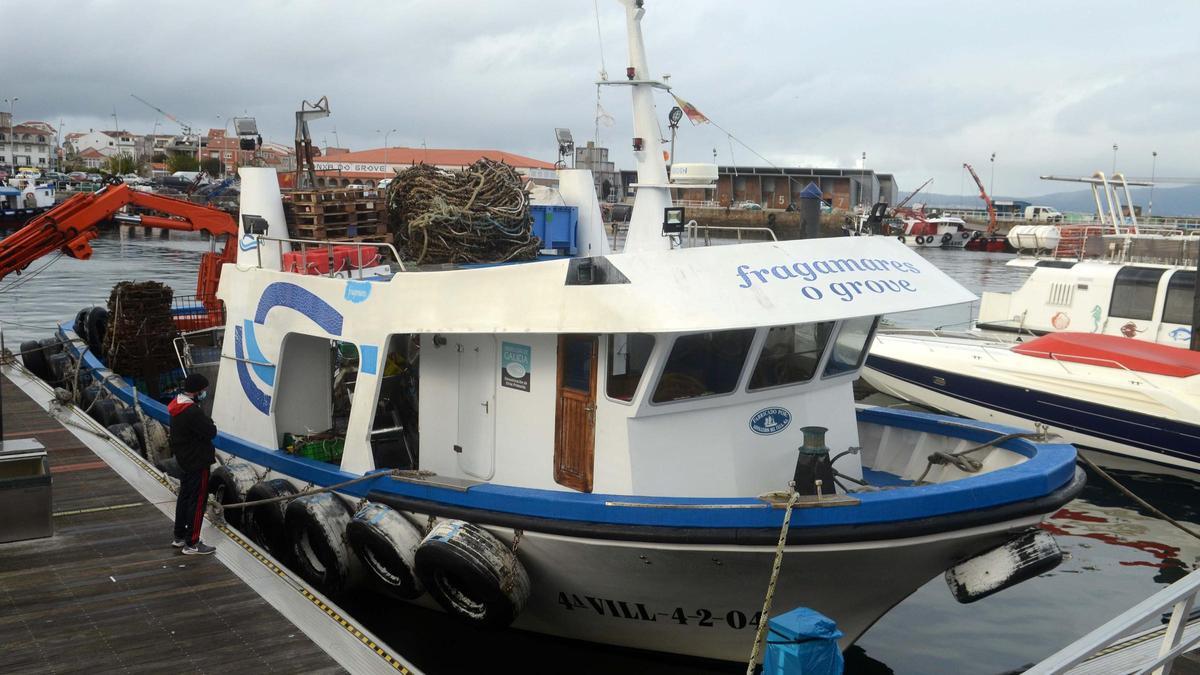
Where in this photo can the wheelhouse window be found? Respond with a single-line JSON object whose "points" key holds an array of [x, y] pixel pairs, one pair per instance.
{"points": [[1134, 290], [1178, 305], [628, 354], [790, 354], [704, 364], [850, 346]]}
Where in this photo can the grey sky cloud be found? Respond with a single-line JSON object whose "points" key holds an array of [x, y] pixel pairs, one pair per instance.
{"points": [[920, 87]]}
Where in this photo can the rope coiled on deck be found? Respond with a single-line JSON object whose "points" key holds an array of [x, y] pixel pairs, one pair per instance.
{"points": [[478, 215]]}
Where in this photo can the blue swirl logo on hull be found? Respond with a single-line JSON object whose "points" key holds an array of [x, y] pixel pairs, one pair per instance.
{"points": [[770, 421]]}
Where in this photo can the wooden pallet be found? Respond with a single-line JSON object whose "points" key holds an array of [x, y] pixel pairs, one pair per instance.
{"points": [[323, 232]]}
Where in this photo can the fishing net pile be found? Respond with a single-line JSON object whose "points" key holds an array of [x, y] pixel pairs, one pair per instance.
{"points": [[478, 215], [141, 332]]}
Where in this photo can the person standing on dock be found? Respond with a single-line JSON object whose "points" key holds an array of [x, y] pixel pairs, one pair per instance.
{"points": [[192, 433]]}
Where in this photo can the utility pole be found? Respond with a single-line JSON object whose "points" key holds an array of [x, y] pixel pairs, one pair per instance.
{"points": [[385, 143], [1114, 166], [12, 124]]}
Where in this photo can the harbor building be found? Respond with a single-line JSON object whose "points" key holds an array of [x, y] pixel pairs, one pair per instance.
{"points": [[775, 188], [27, 144], [368, 167]]}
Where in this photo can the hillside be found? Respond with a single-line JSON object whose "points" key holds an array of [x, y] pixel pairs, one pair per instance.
{"points": [[1175, 201]]}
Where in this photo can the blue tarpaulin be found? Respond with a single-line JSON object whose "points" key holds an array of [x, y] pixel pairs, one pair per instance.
{"points": [[803, 642], [810, 191], [6, 191]]}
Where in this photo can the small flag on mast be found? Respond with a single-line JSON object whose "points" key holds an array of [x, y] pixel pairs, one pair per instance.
{"points": [[694, 116]]}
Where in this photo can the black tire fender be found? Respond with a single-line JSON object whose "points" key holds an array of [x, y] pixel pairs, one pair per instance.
{"points": [[316, 528], [89, 394], [170, 466], [59, 366], [128, 436], [230, 483], [80, 325], [947, 238], [472, 574], [264, 524], [105, 412], [901, 238], [97, 328], [34, 358], [386, 545]]}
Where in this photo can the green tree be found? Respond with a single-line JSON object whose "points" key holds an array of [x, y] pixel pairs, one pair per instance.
{"points": [[120, 165], [178, 162], [212, 166], [158, 157]]}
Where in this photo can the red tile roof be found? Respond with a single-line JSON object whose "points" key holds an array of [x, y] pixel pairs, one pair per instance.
{"points": [[90, 153], [438, 157]]}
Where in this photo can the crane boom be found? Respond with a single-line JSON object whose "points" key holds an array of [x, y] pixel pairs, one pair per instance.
{"points": [[912, 194], [187, 128], [71, 225], [991, 208]]}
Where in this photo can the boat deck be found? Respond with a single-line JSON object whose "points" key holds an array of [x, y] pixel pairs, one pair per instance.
{"points": [[107, 590]]}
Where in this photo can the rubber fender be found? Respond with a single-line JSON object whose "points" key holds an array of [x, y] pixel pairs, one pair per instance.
{"points": [[386, 544], [51, 345], [88, 395], [105, 412], [264, 524], [155, 440], [472, 574], [968, 235], [316, 529], [97, 328], [129, 415], [902, 239], [128, 436], [170, 466], [229, 483], [59, 367], [947, 238], [80, 325], [34, 359]]}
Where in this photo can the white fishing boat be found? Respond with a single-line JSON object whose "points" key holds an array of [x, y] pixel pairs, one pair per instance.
{"points": [[600, 447]]}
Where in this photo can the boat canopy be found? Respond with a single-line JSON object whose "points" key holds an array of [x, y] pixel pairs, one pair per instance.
{"points": [[6, 191], [1114, 351], [682, 290]]}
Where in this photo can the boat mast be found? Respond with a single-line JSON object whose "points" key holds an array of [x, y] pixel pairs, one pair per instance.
{"points": [[653, 191]]}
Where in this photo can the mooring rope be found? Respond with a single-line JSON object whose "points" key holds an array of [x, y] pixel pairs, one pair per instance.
{"points": [[968, 464], [1129, 493], [766, 610]]}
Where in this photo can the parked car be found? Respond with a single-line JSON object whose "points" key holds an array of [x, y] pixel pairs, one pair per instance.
{"points": [[77, 175], [750, 206], [94, 177]]}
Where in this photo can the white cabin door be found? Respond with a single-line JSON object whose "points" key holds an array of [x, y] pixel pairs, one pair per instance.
{"points": [[477, 405]]}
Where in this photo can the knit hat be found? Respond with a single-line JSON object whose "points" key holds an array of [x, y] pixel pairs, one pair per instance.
{"points": [[194, 383]]}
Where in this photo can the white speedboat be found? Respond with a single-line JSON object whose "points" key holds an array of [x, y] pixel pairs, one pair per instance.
{"points": [[601, 447], [1106, 392]]}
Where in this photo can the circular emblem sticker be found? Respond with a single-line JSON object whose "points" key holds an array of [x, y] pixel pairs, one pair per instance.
{"points": [[770, 421]]}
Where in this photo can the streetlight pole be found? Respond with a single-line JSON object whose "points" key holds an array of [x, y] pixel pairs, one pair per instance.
{"points": [[1114, 167], [387, 133], [992, 183], [1153, 165]]}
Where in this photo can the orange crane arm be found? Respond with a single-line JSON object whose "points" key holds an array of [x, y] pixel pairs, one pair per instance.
{"points": [[73, 223], [991, 230]]}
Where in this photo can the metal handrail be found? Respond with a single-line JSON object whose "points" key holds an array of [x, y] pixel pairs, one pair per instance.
{"points": [[693, 228], [329, 244], [1180, 596]]}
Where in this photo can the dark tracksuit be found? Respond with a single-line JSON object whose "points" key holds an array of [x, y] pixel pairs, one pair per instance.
{"points": [[192, 433]]}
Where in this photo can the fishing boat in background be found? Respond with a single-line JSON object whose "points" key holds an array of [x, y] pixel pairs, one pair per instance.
{"points": [[599, 446]]}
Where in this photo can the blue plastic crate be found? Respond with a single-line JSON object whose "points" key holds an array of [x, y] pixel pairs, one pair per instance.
{"points": [[556, 226]]}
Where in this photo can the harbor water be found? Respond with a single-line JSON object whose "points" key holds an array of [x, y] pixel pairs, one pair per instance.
{"points": [[1117, 554]]}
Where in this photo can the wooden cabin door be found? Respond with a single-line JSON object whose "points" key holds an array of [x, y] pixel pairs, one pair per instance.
{"points": [[575, 416]]}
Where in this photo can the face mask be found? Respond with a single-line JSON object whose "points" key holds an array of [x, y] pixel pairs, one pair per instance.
{"points": [[203, 395]]}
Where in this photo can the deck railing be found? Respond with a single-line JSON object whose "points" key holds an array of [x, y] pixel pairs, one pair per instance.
{"points": [[1179, 597], [694, 229], [305, 245]]}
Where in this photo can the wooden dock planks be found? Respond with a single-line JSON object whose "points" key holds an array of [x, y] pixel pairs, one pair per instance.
{"points": [[108, 592]]}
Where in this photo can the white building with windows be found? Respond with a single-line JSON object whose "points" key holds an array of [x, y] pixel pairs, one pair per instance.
{"points": [[28, 144], [107, 143]]}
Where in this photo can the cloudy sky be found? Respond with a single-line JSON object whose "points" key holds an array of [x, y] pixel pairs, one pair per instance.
{"points": [[920, 86]]}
